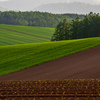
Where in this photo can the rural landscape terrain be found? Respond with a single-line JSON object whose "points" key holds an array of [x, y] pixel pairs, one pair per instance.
{"points": [[20, 50], [49, 56]]}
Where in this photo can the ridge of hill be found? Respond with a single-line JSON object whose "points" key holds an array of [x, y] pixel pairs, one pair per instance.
{"points": [[73, 7]]}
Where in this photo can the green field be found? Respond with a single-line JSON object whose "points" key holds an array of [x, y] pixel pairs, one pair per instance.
{"points": [[40, 31], [8, 37], [18, 57]]}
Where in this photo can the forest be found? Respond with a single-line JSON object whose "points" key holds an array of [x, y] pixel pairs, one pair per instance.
{"points": [[41, 19], [76, 29]]}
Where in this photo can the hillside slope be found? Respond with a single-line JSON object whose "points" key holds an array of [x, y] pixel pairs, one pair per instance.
{"points": [[18, 57], [82, 65], [13, 34]]}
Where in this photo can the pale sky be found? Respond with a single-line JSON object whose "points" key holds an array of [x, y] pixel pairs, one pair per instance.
{"points": [[30, 4], [49, 1]]}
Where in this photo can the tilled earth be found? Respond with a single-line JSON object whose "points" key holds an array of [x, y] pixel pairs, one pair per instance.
{"points": [[82, 89], [75, 77], [82, 65]]}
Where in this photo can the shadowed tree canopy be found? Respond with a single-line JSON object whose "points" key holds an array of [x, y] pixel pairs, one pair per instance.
{"points": [[42, 19], [88, 27]]}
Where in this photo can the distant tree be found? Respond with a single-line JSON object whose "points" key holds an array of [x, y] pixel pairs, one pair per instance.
{"points": [[75, 28], [42, 19], [62, 31], [57, 35], [97, 26], [88, 27], [66, 30]]}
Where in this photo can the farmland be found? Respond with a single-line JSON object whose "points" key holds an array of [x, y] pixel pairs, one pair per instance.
{"points": [[32, 67], [17, 57], [13, 34], [40, 31], [19, 49], [82, 89]]}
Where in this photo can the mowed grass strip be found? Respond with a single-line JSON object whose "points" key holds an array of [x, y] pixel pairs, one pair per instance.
{"points": [[17, 57], [11, 38], [39, 31]]}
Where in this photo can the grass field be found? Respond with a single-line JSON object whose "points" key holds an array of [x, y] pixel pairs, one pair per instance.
{"points": [[8, 37], [12, 38], [40, 31], [17, 57]]}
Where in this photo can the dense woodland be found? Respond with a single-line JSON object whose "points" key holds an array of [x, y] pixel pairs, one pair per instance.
{"points": [[88, 27], [42, 19], [74, 16]]}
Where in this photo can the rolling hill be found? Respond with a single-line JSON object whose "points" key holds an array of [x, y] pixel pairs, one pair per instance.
{"points": [[17, 57], [74, 7], [13, 34]]}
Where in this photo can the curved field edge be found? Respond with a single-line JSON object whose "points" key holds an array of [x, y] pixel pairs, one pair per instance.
{"points": [[18, 57]]}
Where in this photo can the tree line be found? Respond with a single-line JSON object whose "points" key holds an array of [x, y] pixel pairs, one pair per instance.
{"points": [[76, 29], [42, 19]]}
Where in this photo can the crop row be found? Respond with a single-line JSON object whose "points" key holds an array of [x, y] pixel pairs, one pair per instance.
{"points": [[47, 90], [51, 98]]}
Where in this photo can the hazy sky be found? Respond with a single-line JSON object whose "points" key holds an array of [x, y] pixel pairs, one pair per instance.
{"points": [[30, 4]]}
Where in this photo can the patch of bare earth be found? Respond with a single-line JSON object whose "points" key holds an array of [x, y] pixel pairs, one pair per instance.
{"points": [[49, 79], [50, 90], [82, 65]]}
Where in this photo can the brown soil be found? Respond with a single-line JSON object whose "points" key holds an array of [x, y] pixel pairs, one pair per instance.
{"points": [[50, 90], [25, 33], [82, 65]]}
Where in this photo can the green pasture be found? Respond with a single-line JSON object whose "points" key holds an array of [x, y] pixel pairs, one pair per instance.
{"points": [[40, 31], [17, 57], [12, 38]]}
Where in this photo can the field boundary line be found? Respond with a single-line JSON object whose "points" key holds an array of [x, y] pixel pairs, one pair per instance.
{"points": [[25, 33]]}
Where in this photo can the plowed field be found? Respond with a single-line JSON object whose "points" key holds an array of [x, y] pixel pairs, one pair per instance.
{"points": [[81, 89], [82, 65]]}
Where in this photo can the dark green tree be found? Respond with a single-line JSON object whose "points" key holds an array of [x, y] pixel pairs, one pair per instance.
{"points": [[31, 18], [75, 28], [57, 35], [88, 27], [62, 31]]}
